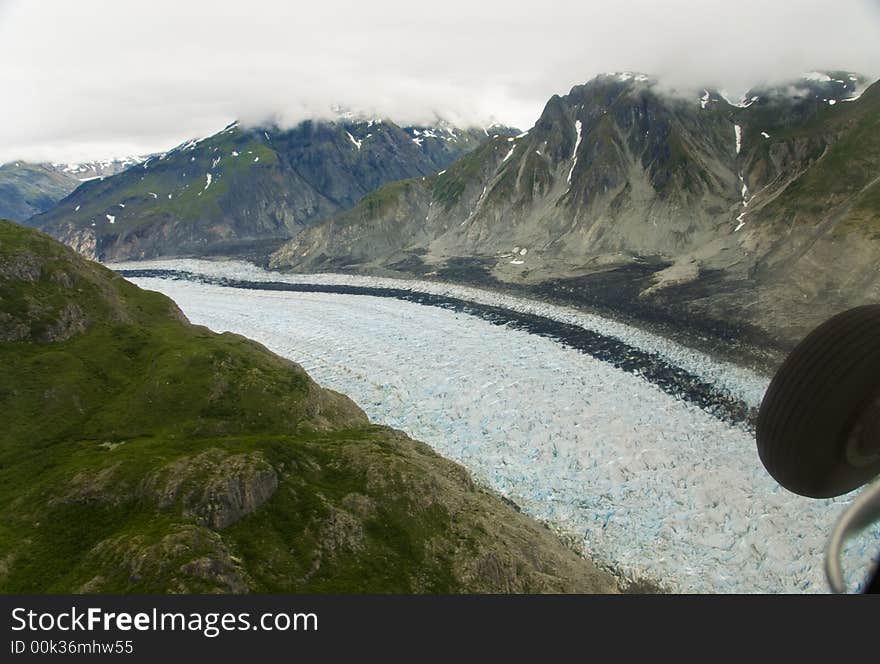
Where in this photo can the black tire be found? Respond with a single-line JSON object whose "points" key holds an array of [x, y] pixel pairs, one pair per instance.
{"points": [[826, 391]]}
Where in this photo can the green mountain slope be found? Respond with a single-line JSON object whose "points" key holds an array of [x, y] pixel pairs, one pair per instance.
{"points": [[244, 189], [27, 189], [141, 453], [757, 218]]}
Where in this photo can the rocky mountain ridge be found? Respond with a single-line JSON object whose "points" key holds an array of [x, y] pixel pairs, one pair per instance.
{"points": [[28, 188], [247, 188], [760, 214]]}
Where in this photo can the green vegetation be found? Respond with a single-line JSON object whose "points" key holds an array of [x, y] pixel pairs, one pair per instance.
{"points": [[869, 201], [264, 184], [28, 189], [140, 453], [171, 187], [846, 170], [448, 188], [379, 202]]}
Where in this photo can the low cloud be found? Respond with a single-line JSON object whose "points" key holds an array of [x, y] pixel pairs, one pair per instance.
{"points": [[97, 78]]}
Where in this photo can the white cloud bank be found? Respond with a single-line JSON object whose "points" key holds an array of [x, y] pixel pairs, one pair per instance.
{"points": [[97, 78]]}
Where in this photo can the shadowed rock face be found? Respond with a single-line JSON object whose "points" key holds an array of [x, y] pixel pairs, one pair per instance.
{"points": [[140, 453], [246, 190], [763, 214]]}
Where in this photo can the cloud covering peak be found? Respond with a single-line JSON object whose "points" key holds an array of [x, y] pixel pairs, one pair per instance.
{"points": [[98, 78]]}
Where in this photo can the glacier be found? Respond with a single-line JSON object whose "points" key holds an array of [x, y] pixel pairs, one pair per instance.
{"points": [[649, 485], [738, 381]]}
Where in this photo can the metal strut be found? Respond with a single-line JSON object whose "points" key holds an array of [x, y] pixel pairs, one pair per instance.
{"points": [[864, 511]]}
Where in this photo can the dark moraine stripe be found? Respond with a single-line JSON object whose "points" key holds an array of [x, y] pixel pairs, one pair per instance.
{"points": [[673, 380]]}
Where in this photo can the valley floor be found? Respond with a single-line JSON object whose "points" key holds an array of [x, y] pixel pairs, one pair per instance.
{"points": [[649, 482]]}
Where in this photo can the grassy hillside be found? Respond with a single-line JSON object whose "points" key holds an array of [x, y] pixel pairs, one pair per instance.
{"points": [[844, 173], [140, 453]]}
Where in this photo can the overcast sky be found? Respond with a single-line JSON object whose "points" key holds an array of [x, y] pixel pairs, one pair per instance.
{"points": [[94, 78]]}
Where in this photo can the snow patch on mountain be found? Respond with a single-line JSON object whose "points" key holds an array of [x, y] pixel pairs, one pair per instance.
{"points": [[356, 142], [816, 77], [578, 128]]}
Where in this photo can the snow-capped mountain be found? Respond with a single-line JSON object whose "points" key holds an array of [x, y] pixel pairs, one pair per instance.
{"points": [[28, 188], [755, 217], [245, 188], [89, 170]]}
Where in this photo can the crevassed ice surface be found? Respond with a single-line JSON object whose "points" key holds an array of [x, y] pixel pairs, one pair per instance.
{"points": [[652, 486], [737, 381]]}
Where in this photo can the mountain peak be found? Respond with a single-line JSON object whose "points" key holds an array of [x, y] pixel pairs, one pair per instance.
{"points": [[249, 185], [626, 76]]}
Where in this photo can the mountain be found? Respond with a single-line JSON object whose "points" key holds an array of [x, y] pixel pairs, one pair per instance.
{"points": [[246, 188], [140, 453], [27, 189], [751, 220]]}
